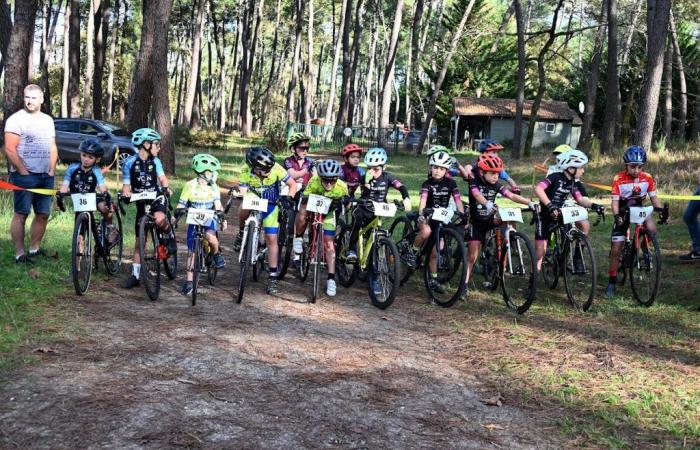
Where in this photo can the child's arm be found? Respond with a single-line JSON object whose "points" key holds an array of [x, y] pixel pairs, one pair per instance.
{"points": [[522, 200], [479, 197], [421, 205]]}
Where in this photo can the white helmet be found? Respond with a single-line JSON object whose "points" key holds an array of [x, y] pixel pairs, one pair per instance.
{"points": [[441, 159], [375, 157], [572, 158]]}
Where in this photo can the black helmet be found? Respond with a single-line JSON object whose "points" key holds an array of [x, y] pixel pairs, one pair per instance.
{"points": [[92, 147], [260, 158]]}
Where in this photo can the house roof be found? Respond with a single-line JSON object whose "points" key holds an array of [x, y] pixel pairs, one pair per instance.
{"points": [[505, 107]]}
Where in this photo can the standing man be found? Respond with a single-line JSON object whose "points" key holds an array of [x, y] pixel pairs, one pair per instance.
{"points": [[690, 217], [30, 143]]}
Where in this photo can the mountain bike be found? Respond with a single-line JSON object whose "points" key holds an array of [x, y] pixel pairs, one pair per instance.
{"points": [[447, 244], [570, 255], [641, 256], [88, 229], [377, 254], [314, 257], [201, 258]]}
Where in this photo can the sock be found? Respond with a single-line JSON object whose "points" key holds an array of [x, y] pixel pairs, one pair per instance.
{"points": [[331, 276], [33, 251], [136, 270], [273, 273], [299, 235]]}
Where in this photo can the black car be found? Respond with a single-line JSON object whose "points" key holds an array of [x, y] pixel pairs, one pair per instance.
{"points": [[71, 132]]}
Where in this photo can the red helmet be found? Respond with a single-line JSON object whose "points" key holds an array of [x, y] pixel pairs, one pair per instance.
{"points": [[490, 163], [351, 148]]}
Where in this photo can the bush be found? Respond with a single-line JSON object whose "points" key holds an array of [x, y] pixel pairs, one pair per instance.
{"points": [[275, 134], [198, 138]]}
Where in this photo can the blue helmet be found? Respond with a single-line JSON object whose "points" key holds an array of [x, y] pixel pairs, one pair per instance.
{"points": [[635, 155], [144, 134], [489, 145]]}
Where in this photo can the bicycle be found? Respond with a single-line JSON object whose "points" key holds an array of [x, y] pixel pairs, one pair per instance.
{"points": [[313, 254], [507, 259], [87, 228], [641, 256], [561, 259], [201, 258], [377, 254], [449, 248]]}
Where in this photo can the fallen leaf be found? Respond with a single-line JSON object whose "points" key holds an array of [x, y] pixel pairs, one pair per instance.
{"points": [[34, 274], [493, 426], [496, 400]]}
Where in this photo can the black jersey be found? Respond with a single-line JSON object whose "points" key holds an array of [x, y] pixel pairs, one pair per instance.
{"points": [[559, 187], [142, 174], [376, 189], [81, 181], [438, 192], [489, 191]]}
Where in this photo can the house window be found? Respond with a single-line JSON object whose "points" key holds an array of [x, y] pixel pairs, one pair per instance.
{"points": [[549, 127]]}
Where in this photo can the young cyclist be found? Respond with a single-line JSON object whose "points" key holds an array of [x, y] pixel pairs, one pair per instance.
{"points": [[144, 172], [263, 179], [629, 188], [85, 177], [489, 147], [553, 191], [558, 150], [435, 192], [482, 204], [327, 183], [298, 165], [352, 173], [202, 193]]}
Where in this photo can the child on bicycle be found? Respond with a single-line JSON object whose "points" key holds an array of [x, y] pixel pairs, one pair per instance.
{"points": [[86, 177], [558, 150], [552, 192], [482, 204], [299, 166], [326, 182], [352, 174], [629, 188], [435, 192], [488, 147], [144, 172], [202, 193], [263, 179]]}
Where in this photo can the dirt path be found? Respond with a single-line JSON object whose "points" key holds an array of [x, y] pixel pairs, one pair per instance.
{"points": [[268, 373]]}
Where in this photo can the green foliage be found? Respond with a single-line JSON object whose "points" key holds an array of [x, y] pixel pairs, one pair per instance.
{"points": [[275, 135]]}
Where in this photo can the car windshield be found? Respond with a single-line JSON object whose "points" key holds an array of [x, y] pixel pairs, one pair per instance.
{"points": [[114, 129]]}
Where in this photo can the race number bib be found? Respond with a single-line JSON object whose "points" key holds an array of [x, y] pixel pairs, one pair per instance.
{"points": [[443, 215], [84, 202], [318, 204], [571, 214], [254, 203], [149, 195], [638, 214], [201, 217], [511, 214], [384, 209]]}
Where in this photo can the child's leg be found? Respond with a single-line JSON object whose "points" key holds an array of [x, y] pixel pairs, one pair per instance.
{"points": [[472, 254], [584, 226], [105, 211], [210, 236], [329, 245], [301, 222], [423, 234], [272, 251], [540, 250]]}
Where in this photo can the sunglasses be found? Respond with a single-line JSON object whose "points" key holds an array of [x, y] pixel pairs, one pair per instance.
{"points": [[329, 180], [303, 147], [375, 168], [155, 143]]}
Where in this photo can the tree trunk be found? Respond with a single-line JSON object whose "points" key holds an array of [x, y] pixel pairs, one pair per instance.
{"points": [[347, 49], [612, 84], [695, 131], [141, 89], [47, 45], [502, 28], [249, 35], [195, 122], [274, 63], [370, 77], [220, 39], [161, 102], [5, 31], [310, 74], [66, 64], [657, 23], [198, 31], [630, 34], [356, 44], [112, 57], [74, 59], [90, 58], [101, 32], [294, 79], [592, 83], [456, 36], [667, 106], [520, 95], [339, 40], [683, 107], [388, 80]]}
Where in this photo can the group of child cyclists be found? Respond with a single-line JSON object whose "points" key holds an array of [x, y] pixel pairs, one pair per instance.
{"points": [[288, 185]]}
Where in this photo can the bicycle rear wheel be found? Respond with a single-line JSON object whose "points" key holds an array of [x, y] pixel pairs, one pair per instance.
{"points": [[212, 271], [488, 262], [402, 232], [645, 270], [112, 253], [345, 271], [196, 268], [317, 250], [384, 270], [246, 251], [518, 269], [170, 262], [82, 257], [449, 285], [550, 268], [285, 239], [579, 271], [150, 259]]}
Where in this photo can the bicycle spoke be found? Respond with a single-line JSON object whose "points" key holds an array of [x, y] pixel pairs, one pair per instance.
{"points": [[580, 272], [645, 270]]}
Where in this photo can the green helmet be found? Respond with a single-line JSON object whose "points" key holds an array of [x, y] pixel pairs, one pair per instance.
{"points": [[438, 148], [204, 161], [295, 138], [142, 135], [561, 149]]}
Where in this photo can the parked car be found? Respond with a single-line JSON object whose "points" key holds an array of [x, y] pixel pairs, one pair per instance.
{"points": [[71, 132]]}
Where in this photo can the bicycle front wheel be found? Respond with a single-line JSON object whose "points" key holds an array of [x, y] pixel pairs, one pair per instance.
{"points": [[384, 273], [346, 272], [579, 271], [316, 263], [196, 267], [403, 234], [445, 289], [488, 262], [645, 270], [81, 256], [112, 252], [285, 239], [518, 269], [246, 251], [212, 271], [150, 259]]}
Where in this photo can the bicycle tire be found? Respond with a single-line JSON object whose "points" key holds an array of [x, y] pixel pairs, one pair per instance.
{"points": [[150, 259], [389, 274], [81, 260], [488, 260], [518, 273], [197, 268], [550, 267], [575, 278], [245, 261], [285, 240], [170, 263], [112, 253], [645, 261], [303, 269], [404, 235], [318, 251], [212, 271], [624, 263], [346, 273], [452, 260]]}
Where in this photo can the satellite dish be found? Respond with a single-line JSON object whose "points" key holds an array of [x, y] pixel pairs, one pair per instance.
{"points": [[581, 107], [347, 132]]}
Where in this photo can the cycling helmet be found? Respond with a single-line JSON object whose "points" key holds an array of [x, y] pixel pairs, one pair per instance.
{"points": [[635, 155], [572, 158], [351, 148], [490, 163], [329, 168], [437, 148], [295, 138], [92, 147], [376, 157], [260, 158], [489, 145], [561, 149], [144, 134], [441, 159], [203, 162]]}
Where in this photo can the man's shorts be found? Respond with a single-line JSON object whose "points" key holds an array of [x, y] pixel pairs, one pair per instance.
{"points": [[24, 201], [143, 207]]}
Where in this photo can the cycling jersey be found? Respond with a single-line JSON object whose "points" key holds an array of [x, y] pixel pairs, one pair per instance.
{"points": [[558, 187], [438, 192], [352, 176], [630, 190], [293, 163], [489, 190], [142, 174], [267, 188], [199, 195], [376, 189], [81, 181], [315, 186]]}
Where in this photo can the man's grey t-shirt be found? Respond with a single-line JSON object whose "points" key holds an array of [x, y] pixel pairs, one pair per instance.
{"points": [[36, 133]]}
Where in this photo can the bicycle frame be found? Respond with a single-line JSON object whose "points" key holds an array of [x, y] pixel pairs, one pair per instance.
{"points": [[254, 217], [364, 248]]}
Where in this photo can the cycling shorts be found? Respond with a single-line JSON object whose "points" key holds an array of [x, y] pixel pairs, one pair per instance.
{"points": [[211, 228], [479, 229], [146, 206]]}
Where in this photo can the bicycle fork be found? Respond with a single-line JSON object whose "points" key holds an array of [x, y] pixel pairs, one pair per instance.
{"points": [[256, 236]]}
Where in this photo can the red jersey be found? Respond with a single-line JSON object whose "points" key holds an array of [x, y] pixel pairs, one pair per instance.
{"points": [[632, 191]]}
